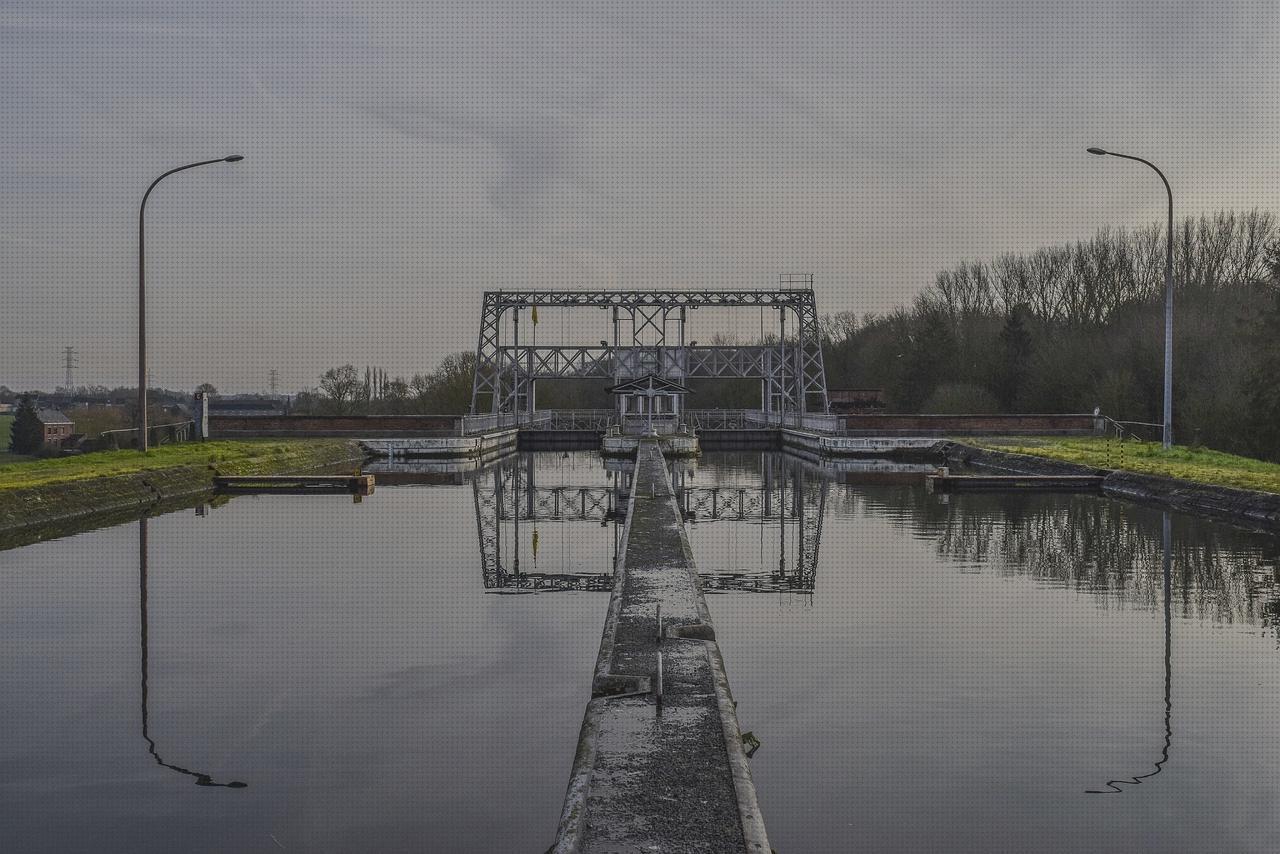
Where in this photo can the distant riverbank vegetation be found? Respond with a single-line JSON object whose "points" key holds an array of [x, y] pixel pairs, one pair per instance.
{"points": [[1067, 328], [345, 391], [1061, 329]]}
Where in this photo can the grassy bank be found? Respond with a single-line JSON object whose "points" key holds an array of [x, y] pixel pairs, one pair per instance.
{"points": [[226, 457], [1195, 464], [45, 496]]}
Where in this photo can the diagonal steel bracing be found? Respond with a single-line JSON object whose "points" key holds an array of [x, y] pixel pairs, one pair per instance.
{"points": [[509, 363]]}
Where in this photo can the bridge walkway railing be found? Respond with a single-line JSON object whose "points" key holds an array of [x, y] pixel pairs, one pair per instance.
{"points": [[604, 419], [747, 419]]}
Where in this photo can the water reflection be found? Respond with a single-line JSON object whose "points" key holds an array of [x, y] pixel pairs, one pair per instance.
{"points": [[202, 779], [779, 503], [1106, 547], [969, 670], [1113, 786], [787, 505]]}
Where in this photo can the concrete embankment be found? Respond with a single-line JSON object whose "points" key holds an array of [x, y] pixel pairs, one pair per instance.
{"points": [[660, 764], [1242, 507], [482, 446], [820, 446], [882, 425], [29, 514]]}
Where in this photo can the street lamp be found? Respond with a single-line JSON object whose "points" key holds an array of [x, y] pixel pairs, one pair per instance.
{"points": [[1167, 433], [142, 296]]}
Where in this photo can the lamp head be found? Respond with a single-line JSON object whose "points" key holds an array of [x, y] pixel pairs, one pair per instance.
{"points": [[1096, 150], [234, 158]]}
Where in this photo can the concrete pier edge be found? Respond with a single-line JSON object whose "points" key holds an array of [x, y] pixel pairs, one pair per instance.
{"points": [[1243, 508], [607, 686], [573, 814]]}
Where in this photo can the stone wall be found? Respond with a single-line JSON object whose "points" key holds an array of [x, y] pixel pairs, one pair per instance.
{"points": [[360, 426], [970, 425]]}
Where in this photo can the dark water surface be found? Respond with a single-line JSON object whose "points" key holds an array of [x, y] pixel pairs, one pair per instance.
{"points": [[341, 659], [922, 675], [964, 673]]}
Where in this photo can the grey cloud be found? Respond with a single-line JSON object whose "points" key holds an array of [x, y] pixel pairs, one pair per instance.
{"points": [[397, 153]]}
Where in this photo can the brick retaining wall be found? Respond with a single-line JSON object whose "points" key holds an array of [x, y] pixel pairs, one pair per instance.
{"points": [[969, 425], [362, 426]]}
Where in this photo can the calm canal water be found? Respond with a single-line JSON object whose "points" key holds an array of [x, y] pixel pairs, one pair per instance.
{"points": [[922, 674]]}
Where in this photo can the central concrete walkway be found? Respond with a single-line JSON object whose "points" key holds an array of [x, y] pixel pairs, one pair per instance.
{"points": [[661, 774]]}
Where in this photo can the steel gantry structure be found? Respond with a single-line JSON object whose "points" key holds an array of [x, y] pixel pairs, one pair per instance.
{"points": [[649, 337]]}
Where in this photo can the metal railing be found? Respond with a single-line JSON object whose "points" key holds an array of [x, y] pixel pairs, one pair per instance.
{"points": [[576, 419], [157, 434], [818, 423], [1129, 429], [721, 419], [470, 425], [664, 423]]}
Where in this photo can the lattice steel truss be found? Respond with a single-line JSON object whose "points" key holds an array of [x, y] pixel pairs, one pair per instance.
{"points": [[654, 325]]}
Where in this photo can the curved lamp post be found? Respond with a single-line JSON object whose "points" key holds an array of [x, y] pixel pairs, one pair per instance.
{"points": [[1167, 433], [142, 296]]}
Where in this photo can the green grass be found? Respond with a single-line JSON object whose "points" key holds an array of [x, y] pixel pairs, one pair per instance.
{"points": [[1196, 464], [227, 455]]}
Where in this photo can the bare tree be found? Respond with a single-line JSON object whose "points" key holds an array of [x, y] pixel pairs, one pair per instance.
{"points": [[340, 386]]}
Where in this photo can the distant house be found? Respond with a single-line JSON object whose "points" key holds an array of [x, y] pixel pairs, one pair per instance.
{"points": [[7, 408], [57, 427]]}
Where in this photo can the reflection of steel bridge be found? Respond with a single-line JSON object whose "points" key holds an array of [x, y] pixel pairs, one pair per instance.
{"points": [[648, 332], [508, 496]]}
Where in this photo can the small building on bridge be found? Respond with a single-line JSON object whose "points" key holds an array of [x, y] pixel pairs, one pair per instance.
{"points": [[649, 402]]}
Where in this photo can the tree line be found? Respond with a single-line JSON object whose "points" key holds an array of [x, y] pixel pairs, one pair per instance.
{"points": [[344, 391], [1060, 329], [1073, 327]]}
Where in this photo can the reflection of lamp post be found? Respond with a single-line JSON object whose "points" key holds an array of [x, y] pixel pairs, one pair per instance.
{"points": [[1167, 432], [201, 778], [142, 296], [1113, 786]]}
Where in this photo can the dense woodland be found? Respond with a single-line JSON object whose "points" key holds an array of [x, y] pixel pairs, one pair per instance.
{"points": [[1068, 328]]}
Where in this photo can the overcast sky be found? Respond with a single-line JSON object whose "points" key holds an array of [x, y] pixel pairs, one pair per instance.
{"points": [[402, 158]]}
